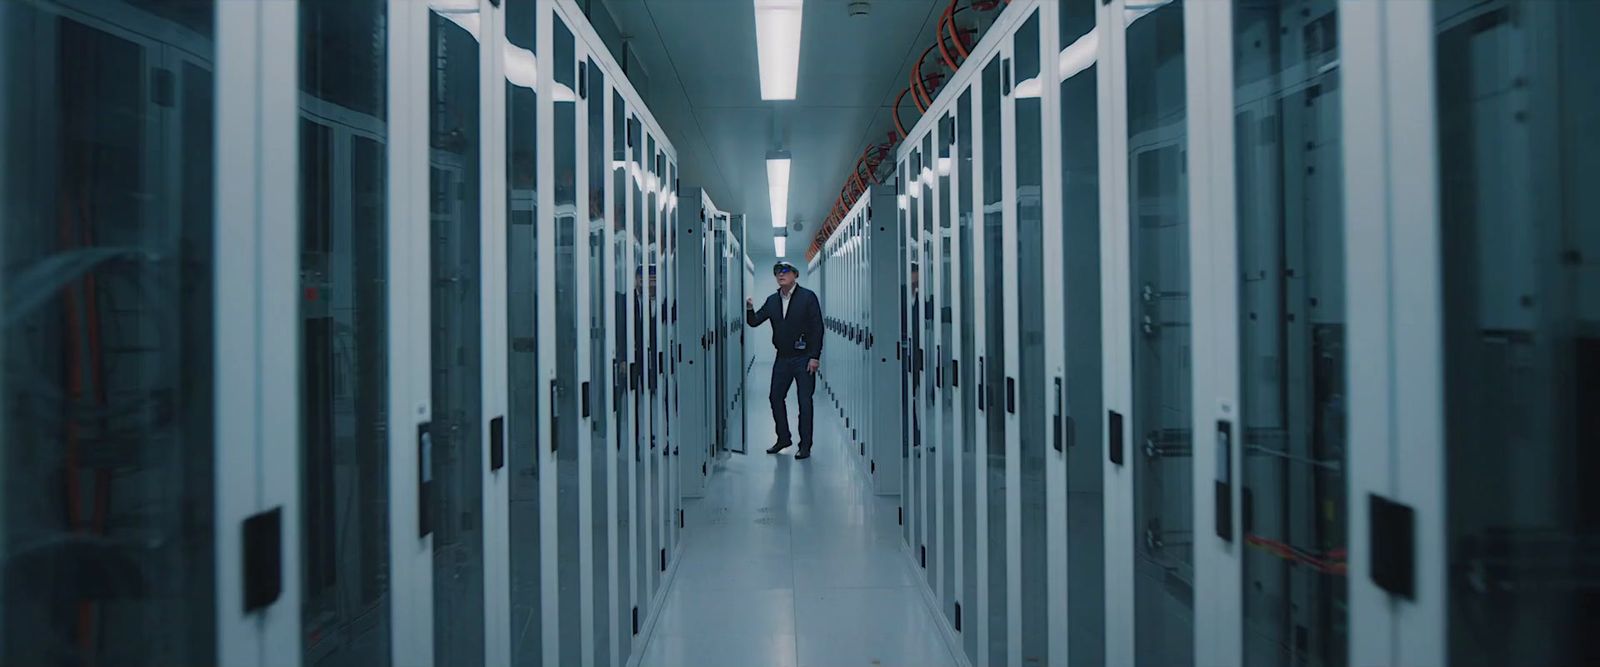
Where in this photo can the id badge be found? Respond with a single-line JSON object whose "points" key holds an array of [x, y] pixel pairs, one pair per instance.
{"points": [[800, 344]]}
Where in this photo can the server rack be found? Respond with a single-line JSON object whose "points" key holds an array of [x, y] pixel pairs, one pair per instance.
{"points": [[443, 393], [1257, 242], [858, 273], [712, 272]]}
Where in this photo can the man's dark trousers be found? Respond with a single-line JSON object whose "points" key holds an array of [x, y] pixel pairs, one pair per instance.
{"points": [[784, 371]]}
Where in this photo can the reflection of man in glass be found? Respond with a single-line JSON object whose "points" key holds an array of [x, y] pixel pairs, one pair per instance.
{"points": [[796, 316]]}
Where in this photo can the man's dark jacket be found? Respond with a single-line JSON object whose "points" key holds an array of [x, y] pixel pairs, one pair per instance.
{"points": [[805, 319]]}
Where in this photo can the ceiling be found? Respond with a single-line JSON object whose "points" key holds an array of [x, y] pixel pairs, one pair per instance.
{"points": [[705, 92]]}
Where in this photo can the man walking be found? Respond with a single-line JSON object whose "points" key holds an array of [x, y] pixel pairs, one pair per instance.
{"points": [[796, 316]]}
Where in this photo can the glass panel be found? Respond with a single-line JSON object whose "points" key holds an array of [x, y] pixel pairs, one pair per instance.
{"points": [[908, 276], [928, 518], [344, 383], [1291, 326], [1521, 286], [992, 367], [564, 416], [968, 595], [1159, 249], [1085, 444], [652, 362], [1033, 392], [620, 403], [947, 408], [916, 504], [599, 362], [523, 438], [108, 417], [641, 406], [669, 344], [457, 313]]}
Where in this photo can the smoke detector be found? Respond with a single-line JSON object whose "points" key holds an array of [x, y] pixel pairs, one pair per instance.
{"points": [[797, 226], [860, 7]]}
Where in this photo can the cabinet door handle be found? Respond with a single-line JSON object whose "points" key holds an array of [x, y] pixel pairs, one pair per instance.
{"points": [[424, 480], [555, 416], [1114, 437], [1224, 480], [1060, 417]]}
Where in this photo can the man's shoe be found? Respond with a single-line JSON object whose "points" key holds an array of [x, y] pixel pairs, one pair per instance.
{"points": [[777, 448], [804, 454]]}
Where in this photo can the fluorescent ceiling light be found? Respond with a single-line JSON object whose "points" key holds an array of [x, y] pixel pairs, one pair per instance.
{"points": [[564, 93], [944, 162], [780, 244], [778, 46], [1080, 55], [778, 189]]}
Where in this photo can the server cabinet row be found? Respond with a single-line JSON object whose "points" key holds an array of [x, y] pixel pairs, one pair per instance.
{"points": [[711, 276], [1255, 333], [336, 333], [857, 269]]}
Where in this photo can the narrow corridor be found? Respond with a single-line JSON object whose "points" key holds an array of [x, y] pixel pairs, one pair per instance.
{"points": [[793, 564]]}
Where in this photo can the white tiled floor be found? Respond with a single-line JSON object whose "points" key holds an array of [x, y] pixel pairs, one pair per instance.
{"points": [[793, 564]]}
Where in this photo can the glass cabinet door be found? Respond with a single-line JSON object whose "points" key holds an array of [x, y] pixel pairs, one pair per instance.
{"points": [[992, 367], [1081, 273], [966, 375], [1158, 223], [109, 425], [565, 421], [621, 405], [524, 441], [917, 503], [652, 359], [929, 359], [1033, 396], [908, 280], [344, 384], [1291, 331], [944, 465], [599, 385], [1519, 236], [456, 262], [641, 404]]}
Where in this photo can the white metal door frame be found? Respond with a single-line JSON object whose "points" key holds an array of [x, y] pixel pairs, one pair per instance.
{"points": [[495, 374], [1116, 329], [410, 374], [1218, 593], [1396, 416], [260, 284]]}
